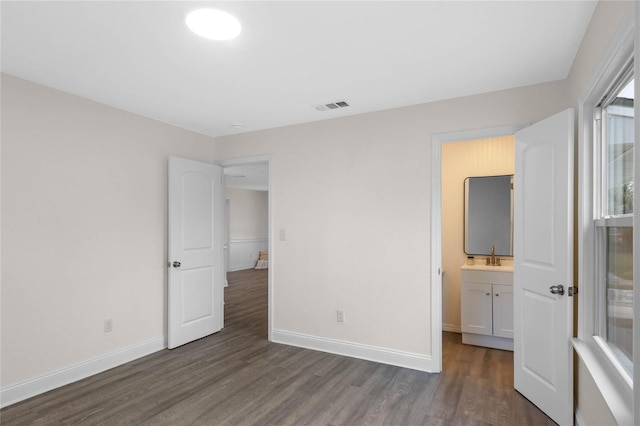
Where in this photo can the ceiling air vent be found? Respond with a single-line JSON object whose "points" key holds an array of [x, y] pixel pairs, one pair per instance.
{"points": [[332, 105]]}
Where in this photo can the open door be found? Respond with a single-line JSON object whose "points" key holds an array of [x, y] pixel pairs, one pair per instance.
{"points": [[543, 265], [196, 272]]}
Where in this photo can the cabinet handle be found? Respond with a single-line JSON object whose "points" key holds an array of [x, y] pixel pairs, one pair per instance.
{"points": [[497, 294], [488, 294]]}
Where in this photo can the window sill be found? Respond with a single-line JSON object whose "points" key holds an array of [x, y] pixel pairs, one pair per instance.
{"points": [[614, 387]]}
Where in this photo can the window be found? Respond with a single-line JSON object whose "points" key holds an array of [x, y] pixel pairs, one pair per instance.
{"points": [[606, 216], [614, 137]]}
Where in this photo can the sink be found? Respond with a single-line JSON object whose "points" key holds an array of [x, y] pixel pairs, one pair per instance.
{"points": [[483, 267]]}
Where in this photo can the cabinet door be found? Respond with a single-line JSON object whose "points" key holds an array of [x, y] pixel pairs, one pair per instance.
{"points": [[503, 311], [476, 308]]}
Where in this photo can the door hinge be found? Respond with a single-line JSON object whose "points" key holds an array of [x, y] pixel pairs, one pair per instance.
{"points": [[572, 290]]}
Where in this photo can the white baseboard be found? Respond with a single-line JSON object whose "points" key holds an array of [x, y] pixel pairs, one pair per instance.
{"points": [[242, 267], [454, 328], [46, 382], [488, 341], [356, 350]]}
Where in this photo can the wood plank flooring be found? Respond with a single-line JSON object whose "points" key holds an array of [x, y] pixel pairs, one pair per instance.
{"points": [[236, 377]]}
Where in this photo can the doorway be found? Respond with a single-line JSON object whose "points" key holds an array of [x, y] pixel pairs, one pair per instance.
{"points": [[542, 253], [438, 269], [494, 156], [248, 220]]}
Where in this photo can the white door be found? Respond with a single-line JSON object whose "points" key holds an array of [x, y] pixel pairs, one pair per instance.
{"points": [[196, 272], [543, 241]]}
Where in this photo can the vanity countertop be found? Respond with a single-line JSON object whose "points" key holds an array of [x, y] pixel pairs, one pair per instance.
{"points": [[492, 268]]}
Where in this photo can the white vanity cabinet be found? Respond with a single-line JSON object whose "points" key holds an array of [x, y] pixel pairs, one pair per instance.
{"points": [[487, 306]]}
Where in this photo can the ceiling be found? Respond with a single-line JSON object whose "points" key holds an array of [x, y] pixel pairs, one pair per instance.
{"points": [[291, 56], [254, 176]]}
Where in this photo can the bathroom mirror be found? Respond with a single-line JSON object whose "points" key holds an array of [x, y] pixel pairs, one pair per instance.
{"points": [[488, 215]]}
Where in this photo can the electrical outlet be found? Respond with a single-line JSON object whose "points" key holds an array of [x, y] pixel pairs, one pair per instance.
{"points": [[108, 325], [340, 315]]}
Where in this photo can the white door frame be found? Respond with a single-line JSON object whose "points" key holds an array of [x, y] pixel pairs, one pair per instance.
{"points": [[272, 258], [437, 140], [227, 235]]}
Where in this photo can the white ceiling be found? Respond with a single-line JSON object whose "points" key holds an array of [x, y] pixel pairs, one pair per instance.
{"points": [[253, 176], [291, 56]]}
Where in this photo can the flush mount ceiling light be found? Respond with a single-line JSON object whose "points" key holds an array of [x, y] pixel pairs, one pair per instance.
{"points": [[213, 24]]}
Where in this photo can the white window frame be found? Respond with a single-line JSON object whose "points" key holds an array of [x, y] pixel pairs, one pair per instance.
{"points": [[612, 380], [602, 221]]}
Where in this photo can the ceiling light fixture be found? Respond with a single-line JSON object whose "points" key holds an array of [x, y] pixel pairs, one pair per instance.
{"points": [[213, 24]]}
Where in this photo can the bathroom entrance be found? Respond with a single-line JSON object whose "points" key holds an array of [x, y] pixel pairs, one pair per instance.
{"points": [[461, 160], [542, 310]]}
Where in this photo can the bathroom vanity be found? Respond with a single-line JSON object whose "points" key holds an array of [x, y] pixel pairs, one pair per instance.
{"points": [[487, 305]]}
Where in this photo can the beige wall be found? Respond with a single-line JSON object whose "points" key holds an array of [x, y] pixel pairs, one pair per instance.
{"points": [[249, 213], [354, 198], [482, 157], [597, 39], [83, 227]]}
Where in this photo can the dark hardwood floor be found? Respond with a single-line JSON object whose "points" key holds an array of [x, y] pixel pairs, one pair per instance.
{"points": [[236, 377]]}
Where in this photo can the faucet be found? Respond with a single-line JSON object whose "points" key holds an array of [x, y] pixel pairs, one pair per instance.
{"points": [[493, 260]]}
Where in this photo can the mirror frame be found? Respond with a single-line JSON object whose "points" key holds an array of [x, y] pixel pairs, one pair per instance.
{"points": [[492, 221]]}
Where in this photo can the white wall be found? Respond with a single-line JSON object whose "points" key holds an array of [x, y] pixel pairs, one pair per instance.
{"points": [[249, 227], [592, 408], [482, 157], [244, 254], [83, 228], [354, 198]]}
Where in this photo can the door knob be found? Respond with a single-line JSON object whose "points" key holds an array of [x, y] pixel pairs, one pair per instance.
{"points": [[557, 289], [176, 264]]}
